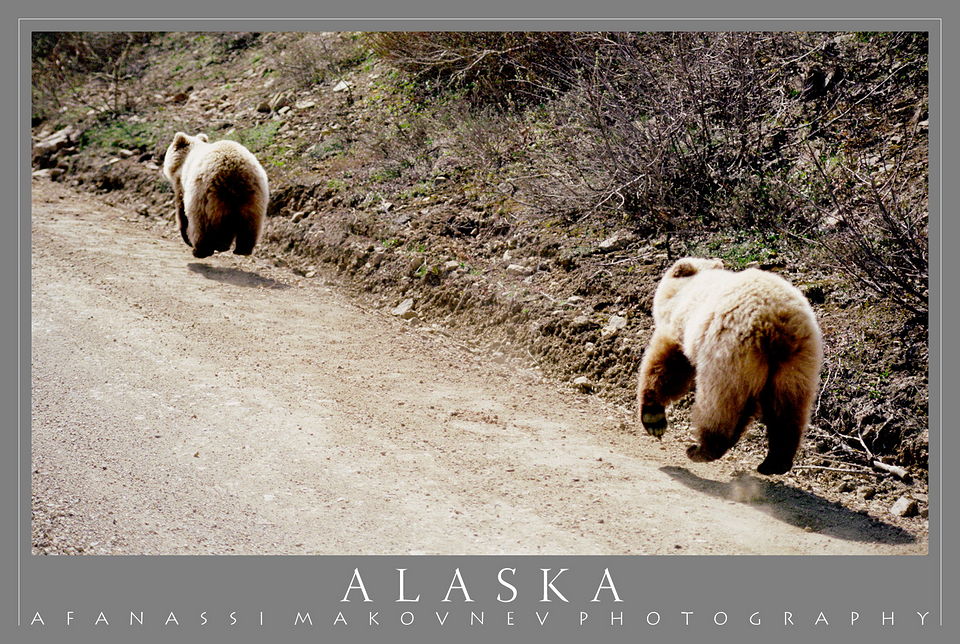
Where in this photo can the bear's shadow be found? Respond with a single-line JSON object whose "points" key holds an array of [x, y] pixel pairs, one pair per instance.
{"points": [[235, 276], [795, 507]]}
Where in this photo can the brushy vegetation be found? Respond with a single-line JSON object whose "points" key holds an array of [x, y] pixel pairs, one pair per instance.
{"points": [[686, 133]]}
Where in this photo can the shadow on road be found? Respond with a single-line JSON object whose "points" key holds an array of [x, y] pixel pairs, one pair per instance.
{"points": [[235, 276], [795, 507]]}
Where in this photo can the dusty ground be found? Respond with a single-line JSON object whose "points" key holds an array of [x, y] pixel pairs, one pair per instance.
{"points": [[229, 406]]}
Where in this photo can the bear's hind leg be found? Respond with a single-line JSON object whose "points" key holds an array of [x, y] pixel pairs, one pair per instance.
{"points": [[718, 436], [665, 375], [248, 230], [726, 402], [785, 404]]}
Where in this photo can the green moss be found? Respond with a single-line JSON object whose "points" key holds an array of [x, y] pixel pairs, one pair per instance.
{"points": [[258, 137], [119, 135]]}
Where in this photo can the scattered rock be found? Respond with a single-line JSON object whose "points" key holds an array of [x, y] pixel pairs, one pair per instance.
{"points": [[614, 324], [404, 310], [519, 269], [618, 241], [278, 100], [583, 384], [305, 105], [582, 322], [341, 86], [867, 492], [45, 147], [905, 507], [48, 173]]}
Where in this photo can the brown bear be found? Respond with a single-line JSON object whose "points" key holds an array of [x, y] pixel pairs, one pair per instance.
{"points": [[221, 194], [749, 339]]}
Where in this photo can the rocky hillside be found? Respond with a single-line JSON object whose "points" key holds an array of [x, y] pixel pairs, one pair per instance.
{"points": [[530, 189]]}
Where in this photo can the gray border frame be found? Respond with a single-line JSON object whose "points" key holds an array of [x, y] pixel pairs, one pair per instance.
{"points": [[737, 585]]}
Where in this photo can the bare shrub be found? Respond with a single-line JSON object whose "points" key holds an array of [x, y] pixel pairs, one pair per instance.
{"points": [[315, 58], [59, 58], [504, 68], [669, 130]]}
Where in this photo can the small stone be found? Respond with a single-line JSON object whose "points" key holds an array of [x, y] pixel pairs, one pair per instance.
{"points": [[867, 492], [305, 105], [404, 310], [519, 269], [614, 324], [264, 107], [616, 242], [452, 265], [905, 507], [48, 173], [341, 86], [583, 384]]}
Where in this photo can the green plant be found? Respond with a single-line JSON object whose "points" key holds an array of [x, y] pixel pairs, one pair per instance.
{"points": [[119, 135], [258, 137]]}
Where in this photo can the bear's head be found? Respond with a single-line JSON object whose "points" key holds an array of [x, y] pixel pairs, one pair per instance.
{"points": [[677, 276], [177, 153]]}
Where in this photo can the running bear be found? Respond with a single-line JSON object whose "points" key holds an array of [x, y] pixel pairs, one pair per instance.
{"points": [[750, 339], [221, 194]]}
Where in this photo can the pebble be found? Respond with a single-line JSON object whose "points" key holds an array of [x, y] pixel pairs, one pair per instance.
{"points": [[904, 507], [404, 310], [616, 242], [614, 324], [583, 384], [519, 269]]}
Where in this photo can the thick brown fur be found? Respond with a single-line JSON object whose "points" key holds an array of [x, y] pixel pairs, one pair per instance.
{"points": [[751, 342], [221, 194]]}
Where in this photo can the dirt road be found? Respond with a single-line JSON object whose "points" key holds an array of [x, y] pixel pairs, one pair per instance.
{"points": [[229, 406]]}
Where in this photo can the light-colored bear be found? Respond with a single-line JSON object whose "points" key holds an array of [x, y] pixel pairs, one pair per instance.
{"points": [[749, 339], [221, 193]]}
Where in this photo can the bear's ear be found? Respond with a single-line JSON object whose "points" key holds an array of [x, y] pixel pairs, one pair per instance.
{"points": [[180, 141], [683, 268], [203, 137]]}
